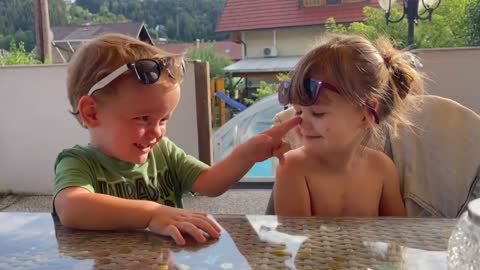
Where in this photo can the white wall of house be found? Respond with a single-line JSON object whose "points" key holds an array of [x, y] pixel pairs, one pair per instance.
{"points": [[297, 41], [285, 40], [36, 125]]}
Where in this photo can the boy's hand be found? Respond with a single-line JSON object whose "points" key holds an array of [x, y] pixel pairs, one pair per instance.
{"points": [[170, 221], [269, 143]]}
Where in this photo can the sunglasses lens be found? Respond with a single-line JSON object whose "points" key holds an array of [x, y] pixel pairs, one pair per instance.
{"points": [[148, 71], [283, 92], [312, 89]]}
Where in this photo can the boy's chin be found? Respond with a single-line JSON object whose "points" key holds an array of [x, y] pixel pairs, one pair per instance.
{"points": [[140, 160]]}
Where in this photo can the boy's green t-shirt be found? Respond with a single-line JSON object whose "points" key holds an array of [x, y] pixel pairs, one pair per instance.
{"points": [[165, 176]]}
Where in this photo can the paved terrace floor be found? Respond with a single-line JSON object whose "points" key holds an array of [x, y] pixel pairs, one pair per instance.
{"points": [[236, 201]]}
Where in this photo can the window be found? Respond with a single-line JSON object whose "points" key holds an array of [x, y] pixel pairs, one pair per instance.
{"points": [[334, 2], [312, 3], [327, 3]]}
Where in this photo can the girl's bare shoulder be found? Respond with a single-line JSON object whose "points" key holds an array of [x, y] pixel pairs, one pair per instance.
{"points": [[293, 159], [379, 160]]}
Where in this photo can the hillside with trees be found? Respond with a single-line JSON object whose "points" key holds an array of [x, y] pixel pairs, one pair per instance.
{"points": [[175, 20]]}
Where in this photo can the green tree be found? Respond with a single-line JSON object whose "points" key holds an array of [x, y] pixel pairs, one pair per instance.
{"points": [[448, 28], [216, 61], [184, 20], [105, 16], [92, 6], [473, 33], [17, 56], [77, 15], [17, 21]]}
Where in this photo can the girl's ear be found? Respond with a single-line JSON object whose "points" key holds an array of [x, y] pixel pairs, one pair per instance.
{"points": [[87, 109], [369, 118]]}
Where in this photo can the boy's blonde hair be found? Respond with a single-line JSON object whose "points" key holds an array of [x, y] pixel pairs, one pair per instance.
{"points": [[362, 71], [101, 56]]}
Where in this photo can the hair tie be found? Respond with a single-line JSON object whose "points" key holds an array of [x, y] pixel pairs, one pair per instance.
{"points": [[387, 60]]}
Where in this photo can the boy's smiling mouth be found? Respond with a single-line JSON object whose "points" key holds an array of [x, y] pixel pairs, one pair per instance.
{"points": [[145, 148]]}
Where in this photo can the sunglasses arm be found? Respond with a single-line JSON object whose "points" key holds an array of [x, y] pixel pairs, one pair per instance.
{"points": [[108, 79]]}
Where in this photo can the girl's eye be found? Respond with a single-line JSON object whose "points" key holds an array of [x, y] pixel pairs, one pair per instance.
{"points": [[298, 112], [316, 114]]}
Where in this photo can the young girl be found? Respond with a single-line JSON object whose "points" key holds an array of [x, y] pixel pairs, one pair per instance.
{"points": [[343, 90]]}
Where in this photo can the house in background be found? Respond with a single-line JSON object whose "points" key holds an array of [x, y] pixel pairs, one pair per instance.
{"points": [[231, 49], [276, 33], [3, 52], [67, 39]]}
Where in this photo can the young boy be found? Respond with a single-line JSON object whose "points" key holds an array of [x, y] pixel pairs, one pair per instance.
{"points": [[130, 176]]}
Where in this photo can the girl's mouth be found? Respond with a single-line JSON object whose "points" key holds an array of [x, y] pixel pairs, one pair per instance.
{"points": [[310, 137]]}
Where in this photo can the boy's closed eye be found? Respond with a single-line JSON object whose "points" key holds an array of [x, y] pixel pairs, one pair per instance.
{"points": [[142, 119], [147, 119]]}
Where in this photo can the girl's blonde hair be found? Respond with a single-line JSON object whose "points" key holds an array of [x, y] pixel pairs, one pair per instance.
{"points": [[96, 59], [362, 72]]}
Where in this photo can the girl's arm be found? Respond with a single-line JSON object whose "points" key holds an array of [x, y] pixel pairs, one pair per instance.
{"points": [[291, 195], [391, 202]]}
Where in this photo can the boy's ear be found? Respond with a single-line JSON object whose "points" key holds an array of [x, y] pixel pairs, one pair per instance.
{"points": [[87, 109]]}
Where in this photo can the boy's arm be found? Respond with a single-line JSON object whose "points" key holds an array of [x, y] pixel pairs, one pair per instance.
{"points": [[81, 209], [391, 202], [217, 179], [291, 195]]}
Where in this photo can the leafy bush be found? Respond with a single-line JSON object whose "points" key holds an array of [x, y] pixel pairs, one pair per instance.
{"points": [[216, 61], [266, 89], [17, 56]]}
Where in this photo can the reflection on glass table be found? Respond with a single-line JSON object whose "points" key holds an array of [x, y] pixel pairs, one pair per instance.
{"points": [[37, 241]]}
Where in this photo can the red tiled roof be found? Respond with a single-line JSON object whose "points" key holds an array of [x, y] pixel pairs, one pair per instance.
{"points": [[232, 50], [266, 14]]}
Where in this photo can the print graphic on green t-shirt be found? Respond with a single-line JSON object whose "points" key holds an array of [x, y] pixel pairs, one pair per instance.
{"points": [[152, 190]]}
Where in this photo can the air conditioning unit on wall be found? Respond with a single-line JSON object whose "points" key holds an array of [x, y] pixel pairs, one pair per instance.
{"points": [[270, 52]]}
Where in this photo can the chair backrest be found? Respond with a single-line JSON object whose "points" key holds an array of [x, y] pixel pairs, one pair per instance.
{"points": [[438, 159]]}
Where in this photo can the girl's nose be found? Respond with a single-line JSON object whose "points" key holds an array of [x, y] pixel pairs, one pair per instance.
{"points": [[305, 122]]}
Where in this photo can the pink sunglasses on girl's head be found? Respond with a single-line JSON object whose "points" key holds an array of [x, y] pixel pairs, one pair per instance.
{"points": [[312, 88]]}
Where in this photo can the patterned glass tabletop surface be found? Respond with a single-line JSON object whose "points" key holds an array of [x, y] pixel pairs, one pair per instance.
{"points": [[38, 241]]}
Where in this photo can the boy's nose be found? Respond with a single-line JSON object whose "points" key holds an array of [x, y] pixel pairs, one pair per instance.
{"points": [[157, 130]]}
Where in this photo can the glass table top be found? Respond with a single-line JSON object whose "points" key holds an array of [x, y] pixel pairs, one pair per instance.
{"points": [[38, 241]]}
